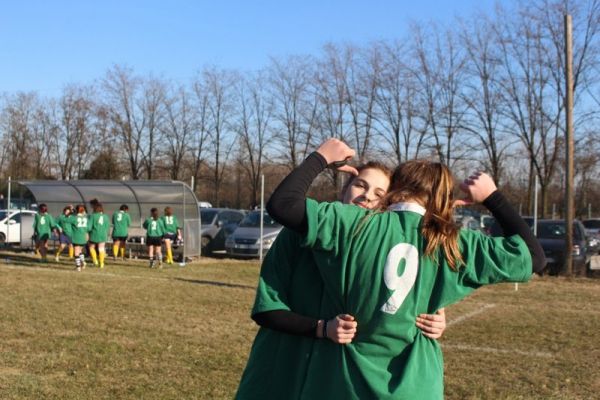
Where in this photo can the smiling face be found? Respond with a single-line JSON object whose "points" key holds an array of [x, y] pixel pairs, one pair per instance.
{"points": [[367, 189]]}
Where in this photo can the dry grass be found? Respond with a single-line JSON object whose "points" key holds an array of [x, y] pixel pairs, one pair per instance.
{"points": [[184, 333]]}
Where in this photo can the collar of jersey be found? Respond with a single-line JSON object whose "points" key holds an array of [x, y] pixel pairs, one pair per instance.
{"points": [[414, 207]]}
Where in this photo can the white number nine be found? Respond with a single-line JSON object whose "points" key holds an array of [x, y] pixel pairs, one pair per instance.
{"points": [[400, 284]]}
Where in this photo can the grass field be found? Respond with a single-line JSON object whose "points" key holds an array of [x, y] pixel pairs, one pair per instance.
{"points": [[128, 332]]}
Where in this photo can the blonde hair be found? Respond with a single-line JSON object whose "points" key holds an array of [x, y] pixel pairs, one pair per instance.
{"points": [[431, 185]]}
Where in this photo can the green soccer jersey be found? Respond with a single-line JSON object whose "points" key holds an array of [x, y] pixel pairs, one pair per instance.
{"points": [[121, 221], [154, 227], [43, 225], [65, 226], [99, 227], [170, 223], [289, 280], [373, 266], [79, 229]]}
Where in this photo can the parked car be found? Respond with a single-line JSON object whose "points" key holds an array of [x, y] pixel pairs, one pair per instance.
{"points": [[245, 241], [10, 224], [216, 225], [592, 226], [552, 235], [204, 204], [496, 230]]}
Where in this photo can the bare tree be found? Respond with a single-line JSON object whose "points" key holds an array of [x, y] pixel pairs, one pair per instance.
{"points": [[397, 104], [177, 129], [294, 106], [252, 127], [151, 105], [17, 124], [122, 91], [439, 71], [74, 138], [483, 95], [200, 127], [218, 85]]}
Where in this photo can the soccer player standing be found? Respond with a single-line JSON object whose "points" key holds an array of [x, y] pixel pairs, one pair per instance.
{"points": [[155, 230], [121, 221], [172, 232], [99, 226]]}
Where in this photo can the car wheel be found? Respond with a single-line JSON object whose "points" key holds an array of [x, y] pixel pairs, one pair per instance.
{"points": [[205, 243]]}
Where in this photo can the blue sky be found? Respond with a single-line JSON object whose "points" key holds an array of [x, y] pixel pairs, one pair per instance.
{"points": [[47, 44]]}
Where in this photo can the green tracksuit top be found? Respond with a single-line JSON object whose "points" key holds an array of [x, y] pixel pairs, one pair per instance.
{"points": [[79, 227], [121, 221], [99, 227], [154, 227]]}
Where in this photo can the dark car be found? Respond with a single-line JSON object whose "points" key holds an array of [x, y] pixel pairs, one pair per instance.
{"points": [[552, 235], [216, 225]]}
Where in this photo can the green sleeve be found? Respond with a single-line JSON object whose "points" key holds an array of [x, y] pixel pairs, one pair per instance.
{"points": [[145, 224], [330, 224], [487, 260], [276, 273]]}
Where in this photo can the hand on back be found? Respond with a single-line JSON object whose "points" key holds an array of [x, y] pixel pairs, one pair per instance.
{"points": [[341, 329]]}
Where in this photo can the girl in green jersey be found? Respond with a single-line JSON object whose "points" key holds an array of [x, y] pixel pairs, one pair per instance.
{"points": [[99, 226], [79, 228], [65, 234], [121, 221], [43, 224], [155, 231], [172, 232]]}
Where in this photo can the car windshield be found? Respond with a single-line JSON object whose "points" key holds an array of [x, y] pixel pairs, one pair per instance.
{"points": [[592, 223], [252, 220], [207, 216], [554, 230]]}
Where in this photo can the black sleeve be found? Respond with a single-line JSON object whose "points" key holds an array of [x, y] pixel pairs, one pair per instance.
{"points": [[512, 224], [287, 204], [287, 321]]}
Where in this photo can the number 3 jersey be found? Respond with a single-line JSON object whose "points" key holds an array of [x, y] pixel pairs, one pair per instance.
{"points": [[373, 267]]}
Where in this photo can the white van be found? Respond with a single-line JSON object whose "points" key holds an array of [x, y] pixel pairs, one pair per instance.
{"points": [[10, 224]]}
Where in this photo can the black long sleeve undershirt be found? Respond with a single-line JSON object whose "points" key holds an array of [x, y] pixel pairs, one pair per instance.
{"points": [[288, 322], [287, 205]]}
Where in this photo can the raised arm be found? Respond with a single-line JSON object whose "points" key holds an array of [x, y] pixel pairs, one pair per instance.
{"points": [[480, 188], [287, 203]]}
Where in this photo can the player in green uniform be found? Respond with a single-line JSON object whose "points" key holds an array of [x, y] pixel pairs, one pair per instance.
{"points": [[155, 231], [79, 235], [121, 221], [289, 281], [43, 224], [99, 227], [65, 233], [172, 232], [385, 268]]}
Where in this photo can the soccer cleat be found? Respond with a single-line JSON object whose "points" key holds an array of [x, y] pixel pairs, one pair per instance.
{"points": [[57, 259], [102, 266], [78, 269]]}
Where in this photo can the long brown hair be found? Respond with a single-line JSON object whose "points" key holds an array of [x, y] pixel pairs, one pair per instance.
{"points": [[431, 185]]}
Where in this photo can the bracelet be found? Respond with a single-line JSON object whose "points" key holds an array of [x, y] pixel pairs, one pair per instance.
{"points": [[324, 334]]}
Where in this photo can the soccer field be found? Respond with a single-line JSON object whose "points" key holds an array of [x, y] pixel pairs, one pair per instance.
{"points": [[128, 332]]}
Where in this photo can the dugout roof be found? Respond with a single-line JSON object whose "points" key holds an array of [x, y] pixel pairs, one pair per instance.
{"points": [[140, 196]]}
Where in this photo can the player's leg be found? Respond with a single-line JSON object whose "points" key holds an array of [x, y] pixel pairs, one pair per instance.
{"points": [[101, 253]]}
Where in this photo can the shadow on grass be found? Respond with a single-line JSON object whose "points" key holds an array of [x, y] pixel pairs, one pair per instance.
{"points": [[213, 283]]}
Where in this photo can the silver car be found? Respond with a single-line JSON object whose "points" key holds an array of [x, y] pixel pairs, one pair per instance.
{"points": [[217, 225], [245, 240]]}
